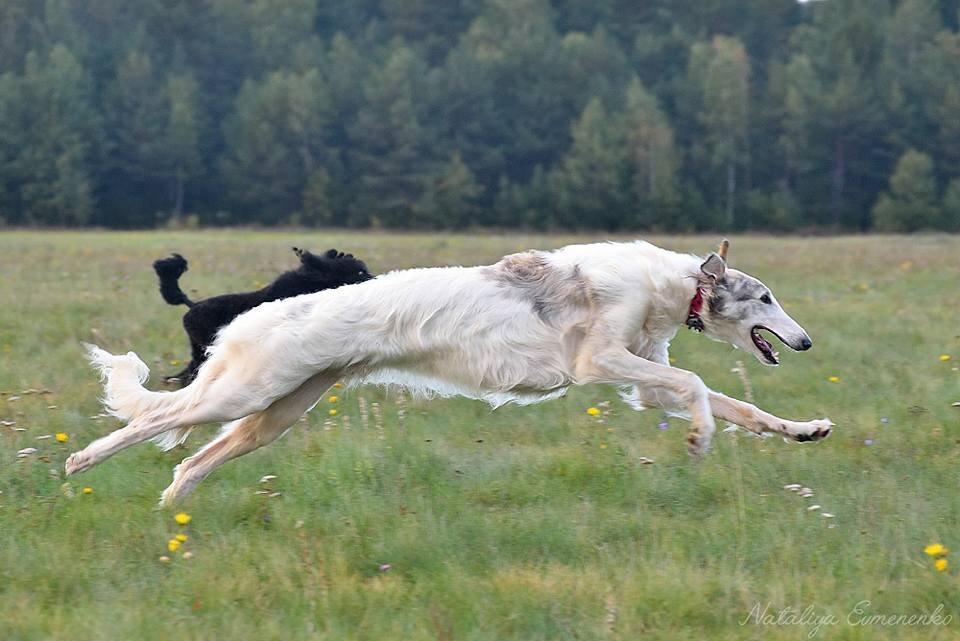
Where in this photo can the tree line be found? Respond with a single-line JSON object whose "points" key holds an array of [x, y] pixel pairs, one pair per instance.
{"points": [[673, 115]]}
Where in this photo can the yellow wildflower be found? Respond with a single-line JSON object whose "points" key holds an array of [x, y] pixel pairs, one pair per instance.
{"points": [[62, 437], [175, 361], [173, 544], [944, 358], [593, 411], [834, 379], [332, 412], [88, 490], [940, 564], [333, 398], [935, 549], [338, 385], [182, 518], [181, 537]]}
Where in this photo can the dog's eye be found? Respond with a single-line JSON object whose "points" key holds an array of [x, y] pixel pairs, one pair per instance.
{"points": [[766, 299]]}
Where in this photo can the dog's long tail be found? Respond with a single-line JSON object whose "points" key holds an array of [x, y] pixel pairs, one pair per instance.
{"points": [[169, 271], [125, 397]]}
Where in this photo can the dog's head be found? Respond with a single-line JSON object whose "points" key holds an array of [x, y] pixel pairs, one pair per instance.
{"points": [[335, 266], [737, 308]]}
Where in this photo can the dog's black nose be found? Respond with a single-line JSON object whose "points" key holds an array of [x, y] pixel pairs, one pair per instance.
{"points": [[805, 343]]}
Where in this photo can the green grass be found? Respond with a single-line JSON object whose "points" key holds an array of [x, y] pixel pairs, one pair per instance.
{"points": [[524, 523]]}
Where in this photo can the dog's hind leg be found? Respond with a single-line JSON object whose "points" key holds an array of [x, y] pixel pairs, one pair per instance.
{"points": [[758, 421], [145, 427], [247, 434], [210, 399]]}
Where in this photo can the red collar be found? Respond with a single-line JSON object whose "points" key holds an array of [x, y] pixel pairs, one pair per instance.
{"points": [[694, 321]]}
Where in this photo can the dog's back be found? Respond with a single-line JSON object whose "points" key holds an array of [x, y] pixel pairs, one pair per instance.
{"points": [[206, 317]]}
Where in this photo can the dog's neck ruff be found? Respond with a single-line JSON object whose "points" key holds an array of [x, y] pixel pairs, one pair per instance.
{"points": [[694, 321]]}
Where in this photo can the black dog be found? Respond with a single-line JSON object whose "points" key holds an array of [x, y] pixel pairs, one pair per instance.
{"points": [[207, 316]]}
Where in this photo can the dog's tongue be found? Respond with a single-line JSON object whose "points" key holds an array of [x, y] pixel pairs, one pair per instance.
{"points": [[761, 342], [763, 345]]}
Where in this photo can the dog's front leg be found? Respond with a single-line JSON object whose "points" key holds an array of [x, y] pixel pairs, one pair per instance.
{"points": [[661, 385], [758, 421]]}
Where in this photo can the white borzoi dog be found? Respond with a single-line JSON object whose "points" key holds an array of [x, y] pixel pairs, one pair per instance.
{"points": [[522, 330]]}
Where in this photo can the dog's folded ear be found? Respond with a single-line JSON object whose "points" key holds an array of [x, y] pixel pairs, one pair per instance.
{"points": [[722, 250], [713, 269]]}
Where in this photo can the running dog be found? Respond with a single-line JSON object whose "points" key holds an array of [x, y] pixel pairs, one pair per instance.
{"points": [[524, 330], [207, 316]]}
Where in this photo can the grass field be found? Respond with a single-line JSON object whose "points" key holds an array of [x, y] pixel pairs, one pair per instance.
{"points": [[445, 520]]}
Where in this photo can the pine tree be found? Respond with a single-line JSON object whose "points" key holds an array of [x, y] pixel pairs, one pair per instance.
{"points": [[941, 99], [13, 135], [183, 161], [951, 206], [592, 183], [136, 112], [531, 205], [54, 164], [317, 207], [844, 115], [390, 150], [720, 71], [276, 140], [450, 200], [508, 92], [910, 204], [909, 53], [652, 157]]}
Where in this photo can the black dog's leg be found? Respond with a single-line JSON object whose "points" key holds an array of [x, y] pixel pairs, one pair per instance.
{"points": [[192, 370], [179, 376], [199, 356], [188, 373]]}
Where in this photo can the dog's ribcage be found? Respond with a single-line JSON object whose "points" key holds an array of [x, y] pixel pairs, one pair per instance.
{"points": [[443, 331]]}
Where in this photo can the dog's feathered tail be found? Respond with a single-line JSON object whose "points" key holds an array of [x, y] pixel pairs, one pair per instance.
{"points": [[125, 397], [169, 271]]}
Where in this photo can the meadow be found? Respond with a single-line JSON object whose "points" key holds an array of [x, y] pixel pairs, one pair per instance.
{"points": [[403, 519]]}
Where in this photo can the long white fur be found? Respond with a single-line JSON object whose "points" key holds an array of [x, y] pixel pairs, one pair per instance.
{"points": [[522, 330]]}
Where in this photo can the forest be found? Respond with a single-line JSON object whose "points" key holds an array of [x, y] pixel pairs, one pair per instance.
{"points": [[616, 115]]}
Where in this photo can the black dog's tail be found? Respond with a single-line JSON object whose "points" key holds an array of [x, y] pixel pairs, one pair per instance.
{"points": [[169, 271]]}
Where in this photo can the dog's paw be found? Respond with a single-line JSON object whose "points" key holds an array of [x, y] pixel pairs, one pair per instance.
{"points": [[697, 444], [167, 498], [812, 430], [77, 462]]}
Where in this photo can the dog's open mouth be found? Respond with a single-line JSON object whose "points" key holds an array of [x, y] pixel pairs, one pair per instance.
{"points": [[764, 345]]}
